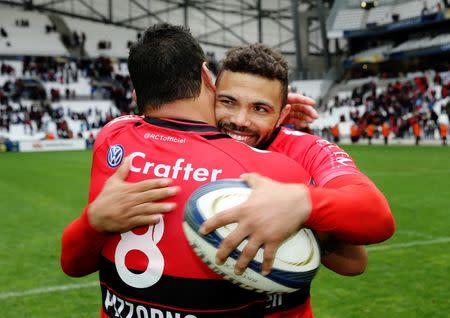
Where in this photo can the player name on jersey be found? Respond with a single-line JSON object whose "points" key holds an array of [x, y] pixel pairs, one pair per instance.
{"points": [[119, 307], [180, 169]]}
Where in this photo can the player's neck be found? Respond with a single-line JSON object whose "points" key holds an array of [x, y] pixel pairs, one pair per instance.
{"points": [[198, 109]]}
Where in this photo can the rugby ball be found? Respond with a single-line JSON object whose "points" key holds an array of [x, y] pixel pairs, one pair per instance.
{"points": [[296, 262]]}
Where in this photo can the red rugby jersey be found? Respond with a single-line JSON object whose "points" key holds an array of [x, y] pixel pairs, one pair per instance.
{"points": [[152, 271], [322, 159], [344, 202]]}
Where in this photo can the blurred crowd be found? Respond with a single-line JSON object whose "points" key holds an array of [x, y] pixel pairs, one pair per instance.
{"points": [[52, 119], [400, 106], [404, 108]]}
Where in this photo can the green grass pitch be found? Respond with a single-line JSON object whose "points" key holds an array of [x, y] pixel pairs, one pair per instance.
{"points": [[407, 276]]}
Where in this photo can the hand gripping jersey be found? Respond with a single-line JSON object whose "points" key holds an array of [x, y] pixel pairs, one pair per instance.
{"points": [[152, 271], [339, 204]]}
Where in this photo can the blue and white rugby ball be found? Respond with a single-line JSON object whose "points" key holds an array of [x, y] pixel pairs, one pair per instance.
{"points": [[296, 262]]}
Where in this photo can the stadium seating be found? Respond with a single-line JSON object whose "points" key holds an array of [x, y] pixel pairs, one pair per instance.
{"points": [[96, 112], [340, 114], [84, 114], [31, 38], [380, 15], [312, 88], [408, 9], [443, 39], [117, 37], [413, 44], [382, 52], [373, 54], [82, 88], [349, 19]]}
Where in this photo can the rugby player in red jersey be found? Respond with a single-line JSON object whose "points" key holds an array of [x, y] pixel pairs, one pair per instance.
{"points": [[344, 204], [254, 180], [151, 271], [327, 164]]}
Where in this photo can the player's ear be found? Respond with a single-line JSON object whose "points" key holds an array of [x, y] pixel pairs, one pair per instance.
{"points": [[207, 77], [134, 96], [284, 113]]}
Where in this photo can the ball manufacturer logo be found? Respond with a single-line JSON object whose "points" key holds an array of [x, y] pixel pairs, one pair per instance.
{"points": [[115, 155]]}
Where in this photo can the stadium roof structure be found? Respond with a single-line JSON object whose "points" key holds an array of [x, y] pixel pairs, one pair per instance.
{"points": [[220, 23], [217, 24]]}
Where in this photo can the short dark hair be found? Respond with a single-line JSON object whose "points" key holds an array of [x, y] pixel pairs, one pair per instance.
{"points": [[258, 59], [165, 65]]}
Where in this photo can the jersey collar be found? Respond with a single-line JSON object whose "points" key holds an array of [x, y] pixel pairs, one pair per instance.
{"points": [[266, 144], [181, 124]]}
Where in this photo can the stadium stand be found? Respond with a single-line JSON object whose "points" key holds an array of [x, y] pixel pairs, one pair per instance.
{"points": [[408, 9], [311, 88], [379, 15], [372, 54], [25, 28], [413, 44], [443, 39], [418, 97], [74, 80], [103, 39], [349, 19], [352, 17]]}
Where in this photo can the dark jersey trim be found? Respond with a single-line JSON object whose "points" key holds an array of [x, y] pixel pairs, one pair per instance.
{"points": [[116, 305], [182, 125], [215, 136], [201, 297], [183, 294], [287, 301]]}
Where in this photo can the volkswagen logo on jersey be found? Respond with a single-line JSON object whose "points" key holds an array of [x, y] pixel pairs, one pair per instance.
{"points": [[115, 155]]}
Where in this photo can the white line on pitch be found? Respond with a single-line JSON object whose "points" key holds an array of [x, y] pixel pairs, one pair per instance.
{"points": [[415, 233], [52, 289], [46, 290], [408, 244]]}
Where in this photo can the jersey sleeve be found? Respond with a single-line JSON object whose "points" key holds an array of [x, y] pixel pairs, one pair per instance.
{"points": [[326, 161], [344, 201], [80, 247], [81, 244], [322, 159], [353, 209]]}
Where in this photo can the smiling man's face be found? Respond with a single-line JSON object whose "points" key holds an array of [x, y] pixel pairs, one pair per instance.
{"points": [[249, 107]]}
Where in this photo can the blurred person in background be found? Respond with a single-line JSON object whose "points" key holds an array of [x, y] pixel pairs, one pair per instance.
{"points": [[416, 129], [370, 131], [443, 132], [335, 133], [354, 133], [385, 131]]}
